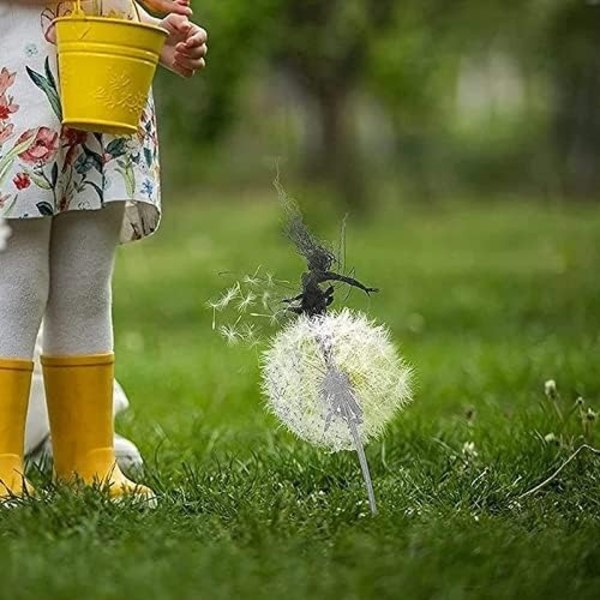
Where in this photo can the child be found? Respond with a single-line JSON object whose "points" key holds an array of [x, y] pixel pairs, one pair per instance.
{"points": [[69, 198]]}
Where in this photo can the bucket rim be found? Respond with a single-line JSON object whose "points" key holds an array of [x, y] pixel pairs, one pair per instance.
{"points": [[93, 19]]}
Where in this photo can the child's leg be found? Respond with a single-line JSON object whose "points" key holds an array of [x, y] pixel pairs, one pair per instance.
{"points": [[78, 345], [23, 296], [24, 268], [82, 250]]}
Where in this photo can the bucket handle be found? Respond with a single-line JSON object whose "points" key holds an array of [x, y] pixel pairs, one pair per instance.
{"points": [[79, 12]]}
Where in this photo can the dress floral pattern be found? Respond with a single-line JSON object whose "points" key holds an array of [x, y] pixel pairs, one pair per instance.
{"points": [[47, 169]]}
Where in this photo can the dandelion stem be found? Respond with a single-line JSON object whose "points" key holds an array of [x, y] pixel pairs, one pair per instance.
{"points": [[364, 466]]}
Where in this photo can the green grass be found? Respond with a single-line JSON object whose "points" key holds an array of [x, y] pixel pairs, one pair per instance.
{"points": [[487, 302]]}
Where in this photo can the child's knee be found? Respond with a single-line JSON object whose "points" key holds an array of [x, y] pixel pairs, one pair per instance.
{"points": [[86, 297]]}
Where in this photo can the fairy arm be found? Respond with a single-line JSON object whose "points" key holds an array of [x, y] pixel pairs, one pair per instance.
{"points": [[330, 276]]}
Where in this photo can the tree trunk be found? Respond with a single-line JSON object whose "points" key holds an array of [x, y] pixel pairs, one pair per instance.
{"points": [[337, 160], [576, 46]]}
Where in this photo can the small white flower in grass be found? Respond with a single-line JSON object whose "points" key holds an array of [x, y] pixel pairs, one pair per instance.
{"points": [[469, 450], [4, 234], [550, 438], [550, 388], [300, 385]]}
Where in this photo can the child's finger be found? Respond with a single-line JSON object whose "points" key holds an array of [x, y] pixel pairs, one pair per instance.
{"points": [[183, 71], [190, 65], [178, 24], [195, 52], [199, 37]]}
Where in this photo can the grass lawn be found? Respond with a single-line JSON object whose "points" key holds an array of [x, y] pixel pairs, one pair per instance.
{"points": [[487, 302]]}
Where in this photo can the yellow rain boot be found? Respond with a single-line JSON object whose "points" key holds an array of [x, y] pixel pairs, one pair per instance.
{"points": [[79, 394], [15, 386]]}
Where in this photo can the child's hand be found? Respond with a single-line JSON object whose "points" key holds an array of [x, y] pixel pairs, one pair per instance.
{"points": [[185, 49], [165, 7]]}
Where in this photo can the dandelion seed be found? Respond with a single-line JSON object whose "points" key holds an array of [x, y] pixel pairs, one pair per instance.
{"points": [[550, 438], [591, 415], [227, 298], [214, 306], [253, 280], [274, 318], [254, 342], [230, 333], [266, 297], [247, 332], [246, 302]]}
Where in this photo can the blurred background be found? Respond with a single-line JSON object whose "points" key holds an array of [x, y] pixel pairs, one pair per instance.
{"points": [[385, 100]]}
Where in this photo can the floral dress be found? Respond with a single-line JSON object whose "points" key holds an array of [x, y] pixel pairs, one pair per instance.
{"points": [[47, 169]]}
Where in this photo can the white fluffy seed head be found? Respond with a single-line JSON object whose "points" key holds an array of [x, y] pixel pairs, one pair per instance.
{"points": [[295, 368]]}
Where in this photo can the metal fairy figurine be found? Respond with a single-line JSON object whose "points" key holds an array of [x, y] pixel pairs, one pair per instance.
{"points": [[314, 300]]}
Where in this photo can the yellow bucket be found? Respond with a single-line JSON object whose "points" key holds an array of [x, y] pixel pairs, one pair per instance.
{"points": [[106, 67]]}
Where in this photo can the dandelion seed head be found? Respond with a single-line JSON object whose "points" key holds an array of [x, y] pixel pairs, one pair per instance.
{"points": [[295, 372]]}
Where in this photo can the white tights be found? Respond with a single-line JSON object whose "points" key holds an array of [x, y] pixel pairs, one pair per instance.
{"points": [[59, 269]]}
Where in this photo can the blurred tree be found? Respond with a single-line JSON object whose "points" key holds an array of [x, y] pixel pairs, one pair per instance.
{"points": [[415, 66], [325, 47], [573, 47]]}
